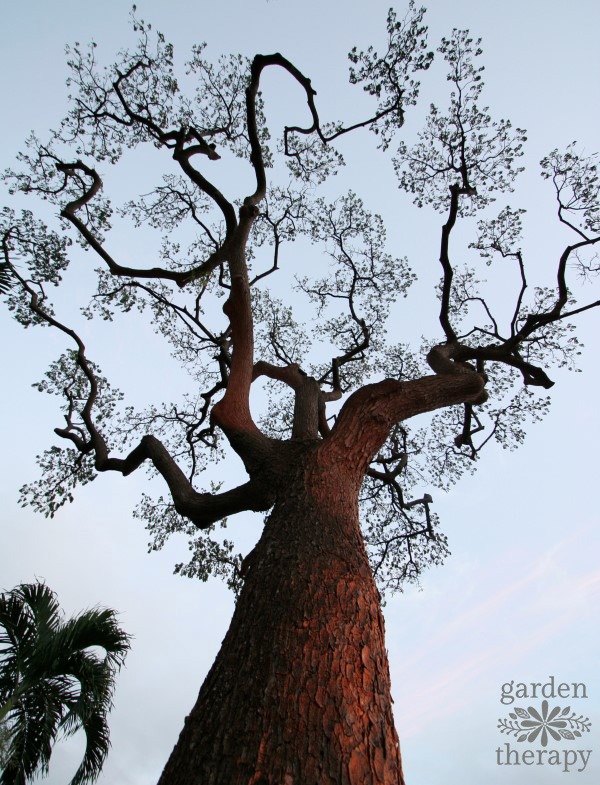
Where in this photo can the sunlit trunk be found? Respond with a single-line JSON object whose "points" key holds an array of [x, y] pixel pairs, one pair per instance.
{"points": [[299, 693]]}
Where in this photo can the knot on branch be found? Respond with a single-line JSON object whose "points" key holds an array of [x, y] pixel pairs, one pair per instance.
{"points": [[442, 361], [249, 210]]}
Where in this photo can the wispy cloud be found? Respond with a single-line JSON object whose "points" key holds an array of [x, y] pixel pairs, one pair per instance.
{"points": [[545, 600]]}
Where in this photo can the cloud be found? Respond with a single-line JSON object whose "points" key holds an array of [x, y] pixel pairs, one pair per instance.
{"points": [[450, 668]]}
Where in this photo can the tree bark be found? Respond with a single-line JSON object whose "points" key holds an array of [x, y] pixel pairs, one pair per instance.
{"points": [[300, 691]]}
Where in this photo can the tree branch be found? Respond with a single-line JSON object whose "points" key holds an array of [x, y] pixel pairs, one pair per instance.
{"points": [[69, 212], [232, 412], [203, 509], [289, 374], [364, 422]]}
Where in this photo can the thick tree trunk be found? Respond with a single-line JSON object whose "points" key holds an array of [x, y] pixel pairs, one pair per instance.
{"points": [[300, 692]]}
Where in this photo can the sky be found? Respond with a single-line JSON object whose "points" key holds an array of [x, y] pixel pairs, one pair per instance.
{"points": [[518, 599]]}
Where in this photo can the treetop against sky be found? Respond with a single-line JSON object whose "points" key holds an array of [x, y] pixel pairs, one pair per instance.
{"points": [[461, 162]]}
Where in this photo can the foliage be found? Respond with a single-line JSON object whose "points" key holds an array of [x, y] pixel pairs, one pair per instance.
{"points": [[52, 683], [463, 146], [4, 744], [462, 162]]}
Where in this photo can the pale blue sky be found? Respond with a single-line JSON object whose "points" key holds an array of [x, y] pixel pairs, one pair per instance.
{"points": [[518, 599]]}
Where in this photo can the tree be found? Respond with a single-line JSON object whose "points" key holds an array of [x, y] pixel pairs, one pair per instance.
{"points": [[318, 669], [4, 744], [50, 681]]}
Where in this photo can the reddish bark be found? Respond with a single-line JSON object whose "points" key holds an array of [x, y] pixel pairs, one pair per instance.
{"points": [[232, 412], [300, 691], [367, 416]]}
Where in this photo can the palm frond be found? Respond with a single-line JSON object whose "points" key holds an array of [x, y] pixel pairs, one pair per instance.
{"points": [[43, 605], [6, 278], [96, 749], [15, 622], [51, 683], [95, 627]]}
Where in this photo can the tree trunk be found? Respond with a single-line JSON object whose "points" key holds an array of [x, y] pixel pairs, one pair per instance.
{"points": [[300, 691]]}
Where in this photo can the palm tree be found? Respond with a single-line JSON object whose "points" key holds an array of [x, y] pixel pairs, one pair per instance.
{"points": [[4, 742], [51, 682], [6, 277]]}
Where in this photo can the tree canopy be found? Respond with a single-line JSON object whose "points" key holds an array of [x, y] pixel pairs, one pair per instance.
{"points": [[463, 161], [350, 344]]}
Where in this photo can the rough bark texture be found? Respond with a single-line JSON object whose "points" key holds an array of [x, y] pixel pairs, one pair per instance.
{"points": [[300, 691]]}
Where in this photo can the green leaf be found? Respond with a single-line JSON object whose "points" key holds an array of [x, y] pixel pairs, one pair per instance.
{"points": [[62, 685]]}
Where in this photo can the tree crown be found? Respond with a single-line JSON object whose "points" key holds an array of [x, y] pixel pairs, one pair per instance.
{"points": [[213, 249]]}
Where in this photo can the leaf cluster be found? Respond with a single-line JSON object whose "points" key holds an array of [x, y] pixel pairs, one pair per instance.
{"points": [[52, 684], [462, 148]]}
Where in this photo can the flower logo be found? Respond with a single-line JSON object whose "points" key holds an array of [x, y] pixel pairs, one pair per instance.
{"points": [[528, 724]]}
